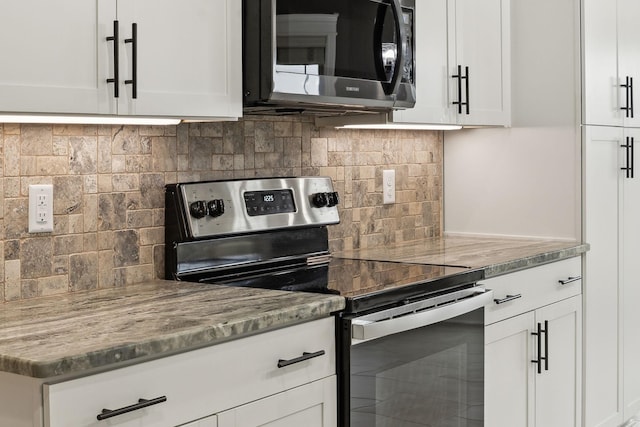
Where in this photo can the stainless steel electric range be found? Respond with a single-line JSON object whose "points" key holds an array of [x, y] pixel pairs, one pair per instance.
{"points": [[410, 341]]}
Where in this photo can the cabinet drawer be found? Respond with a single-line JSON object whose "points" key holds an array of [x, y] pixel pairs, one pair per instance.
{"points": [[197, 383], [526, 290]]}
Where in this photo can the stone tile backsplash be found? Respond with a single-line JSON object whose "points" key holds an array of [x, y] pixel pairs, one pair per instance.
{"points": [[109, 190]]}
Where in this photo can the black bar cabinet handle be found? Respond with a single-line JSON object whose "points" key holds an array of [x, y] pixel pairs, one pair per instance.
{"points": [[628, 146], [546, 345], [507, 298], [134, 53], [631, 141], [631, 95], [115, 39], [142, 403], [627, 86], [466, 81], [305, 356], [459, 77], [538, 361], [569, 280]]}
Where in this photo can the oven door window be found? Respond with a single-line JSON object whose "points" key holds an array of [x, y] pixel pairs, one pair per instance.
{"points": [[431, 376], [356, 39]]}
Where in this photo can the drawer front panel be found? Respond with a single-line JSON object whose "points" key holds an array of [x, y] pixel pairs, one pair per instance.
{"points": [[197, 383], [526, 290]]}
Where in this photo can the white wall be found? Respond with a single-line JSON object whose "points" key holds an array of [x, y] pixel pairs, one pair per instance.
{"points": [[519, 181]]}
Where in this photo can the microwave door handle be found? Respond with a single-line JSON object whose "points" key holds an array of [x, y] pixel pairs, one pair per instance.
{"points": [[400, 41], [364, 330], [392, 86]]}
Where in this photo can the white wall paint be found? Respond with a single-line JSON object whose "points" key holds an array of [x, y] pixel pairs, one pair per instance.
{"points": [[520, 181]]}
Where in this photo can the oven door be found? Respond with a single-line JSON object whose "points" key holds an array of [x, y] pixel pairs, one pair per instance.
{"points": [[421, 364]]}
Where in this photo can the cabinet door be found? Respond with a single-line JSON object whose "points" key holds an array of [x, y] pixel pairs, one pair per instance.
{"points": [[558, 389], [600, 59], [189, 57], [508, 372], [630, 279], [432, 78], [628, 57], [205, 422], [480, 41], [56, 58], [602, 361], [311, 405]]}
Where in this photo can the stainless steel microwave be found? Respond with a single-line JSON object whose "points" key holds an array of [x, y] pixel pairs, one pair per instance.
{"points": [[328, 55]]}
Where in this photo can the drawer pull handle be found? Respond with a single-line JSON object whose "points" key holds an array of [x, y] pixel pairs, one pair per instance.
{"points": [[569, 280], [507, 298], [142, 403], [305, 356]]}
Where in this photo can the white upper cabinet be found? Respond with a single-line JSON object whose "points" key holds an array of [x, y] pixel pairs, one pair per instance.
{"points": [[462, 63], [51, 60], [629, 59], [611, 62], [189, 57], [82, 57]]}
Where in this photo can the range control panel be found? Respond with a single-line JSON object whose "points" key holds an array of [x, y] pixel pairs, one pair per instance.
{"points": [[243, 206], [269, 202]]}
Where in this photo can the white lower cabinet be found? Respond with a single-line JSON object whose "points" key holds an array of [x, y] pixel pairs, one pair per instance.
{"points": [[285, 377], [311, 405], [211, 421], [533, 348]]}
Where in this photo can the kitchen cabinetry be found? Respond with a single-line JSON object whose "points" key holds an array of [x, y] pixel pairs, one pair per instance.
{"points": [[611, 62], [181, 62], [533, 347], [286, 375], [612, 209], [312, 405], [462, 63]]}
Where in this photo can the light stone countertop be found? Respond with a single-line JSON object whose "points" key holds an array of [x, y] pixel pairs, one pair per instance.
{"points": [[77, 332], [495, 255]]}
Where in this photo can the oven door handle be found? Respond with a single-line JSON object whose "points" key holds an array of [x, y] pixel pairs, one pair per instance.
{"points": [[369, 327]]}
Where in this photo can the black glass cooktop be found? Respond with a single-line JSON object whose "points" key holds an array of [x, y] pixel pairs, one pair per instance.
{"points": [[365, 284]]}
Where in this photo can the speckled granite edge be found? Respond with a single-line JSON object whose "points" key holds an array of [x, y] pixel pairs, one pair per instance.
{"points": [[171, 344], [119, 332], [534, 261]]}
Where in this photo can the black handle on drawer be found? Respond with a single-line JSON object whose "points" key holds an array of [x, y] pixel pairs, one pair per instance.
{"points": [[569, 280], [305, 356], [142, 403], [507, 298]]}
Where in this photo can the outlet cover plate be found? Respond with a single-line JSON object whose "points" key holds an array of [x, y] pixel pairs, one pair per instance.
{"points": [[41, 208], [388, 186]]}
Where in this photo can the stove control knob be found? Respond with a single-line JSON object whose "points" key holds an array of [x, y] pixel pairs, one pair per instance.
{"points": [[215, 207], [198, 209], [333, 199], [319, 200]]}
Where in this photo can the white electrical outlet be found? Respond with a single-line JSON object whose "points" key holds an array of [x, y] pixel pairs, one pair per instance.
{"points": [[388, 186], [41, 208]]}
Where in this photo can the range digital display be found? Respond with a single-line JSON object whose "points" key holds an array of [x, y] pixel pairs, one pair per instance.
{"points": [[269, 202]]}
